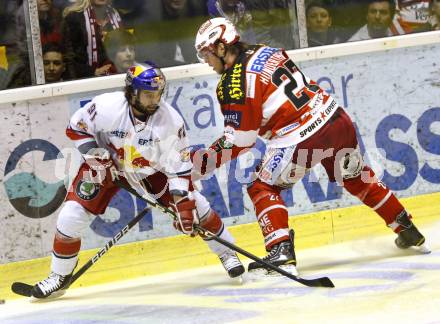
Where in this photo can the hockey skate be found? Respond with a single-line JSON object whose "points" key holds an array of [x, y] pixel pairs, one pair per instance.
{"points": [[54, 286], [409, 235], [232, 264], [281, 255]]}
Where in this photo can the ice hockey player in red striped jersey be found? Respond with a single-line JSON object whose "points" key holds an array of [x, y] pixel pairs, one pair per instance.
{"points": [[263, 93]]}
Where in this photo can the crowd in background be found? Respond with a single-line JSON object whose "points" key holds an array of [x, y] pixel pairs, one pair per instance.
{"points": [[337, 21], [88, 38]]}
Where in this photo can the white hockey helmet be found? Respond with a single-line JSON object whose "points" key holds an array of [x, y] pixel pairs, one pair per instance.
{"points": [[213, 30]]}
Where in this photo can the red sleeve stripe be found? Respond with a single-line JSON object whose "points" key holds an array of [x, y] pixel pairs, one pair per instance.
{"points": [[76, 135]]}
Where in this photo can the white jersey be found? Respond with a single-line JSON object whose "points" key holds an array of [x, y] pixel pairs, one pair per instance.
{"points": [[363, 34], [137, 148]]}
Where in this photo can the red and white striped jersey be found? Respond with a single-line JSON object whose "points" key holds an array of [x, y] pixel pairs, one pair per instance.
{"points": [[410, 15], [137, 148], [264, 93]]}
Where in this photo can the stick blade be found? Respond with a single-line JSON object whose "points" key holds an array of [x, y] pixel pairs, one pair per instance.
{"points": [[317, 282], [22, 289], [424, 249]]}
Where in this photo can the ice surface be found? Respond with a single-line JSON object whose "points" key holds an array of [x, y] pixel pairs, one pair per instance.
{"points": [[375, 283]]}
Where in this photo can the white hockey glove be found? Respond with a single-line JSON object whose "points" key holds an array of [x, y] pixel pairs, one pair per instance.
{"points": [[187, 216], [101, 165]]}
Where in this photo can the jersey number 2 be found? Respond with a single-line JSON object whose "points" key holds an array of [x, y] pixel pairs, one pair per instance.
{"points": [[294, 90]]}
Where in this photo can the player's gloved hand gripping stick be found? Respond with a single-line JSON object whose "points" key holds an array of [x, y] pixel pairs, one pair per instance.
{"points": [[317, 282], [24, 289]]}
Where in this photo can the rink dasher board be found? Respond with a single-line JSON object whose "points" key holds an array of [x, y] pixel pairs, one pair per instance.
{"points": [[401, 113], [157, 256]]}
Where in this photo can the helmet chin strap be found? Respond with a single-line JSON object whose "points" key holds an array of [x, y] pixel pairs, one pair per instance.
{"points": [[222, 58]]}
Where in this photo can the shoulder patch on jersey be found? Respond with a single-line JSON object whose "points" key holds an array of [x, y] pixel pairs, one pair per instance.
{"points": [[185, 155], [86, 190], [82, 125]]}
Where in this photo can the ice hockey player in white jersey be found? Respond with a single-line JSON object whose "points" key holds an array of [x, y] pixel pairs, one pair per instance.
{"points": [[136, 136]]}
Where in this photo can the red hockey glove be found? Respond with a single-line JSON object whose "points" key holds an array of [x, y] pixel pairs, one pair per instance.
{"points": [[187, 216], [223, 143], [207, 160]]}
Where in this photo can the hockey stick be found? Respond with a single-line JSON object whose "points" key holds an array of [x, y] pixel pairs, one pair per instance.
{"points": [[317, 282], [24, 289]]}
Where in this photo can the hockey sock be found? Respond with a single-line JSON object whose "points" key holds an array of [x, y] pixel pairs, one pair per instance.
{"points": [[271, 213], [213, 223], [65, 253], [376, 195]]}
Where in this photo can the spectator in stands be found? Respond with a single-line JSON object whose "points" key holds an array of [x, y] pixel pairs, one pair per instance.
{"points": [[7, 36], [319, 24], [18, 74], [166, 36], [49, 19], [132, 11], [238, 13], [53, 61], [273, 23], [120, 47], [347, 17], [411, 16], [85, 24], [434, 16], [7, 41], [62, 4], [379, 16], [12, 71]]}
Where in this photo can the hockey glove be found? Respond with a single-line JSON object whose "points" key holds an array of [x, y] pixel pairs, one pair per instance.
{"points": [[101, 165], [205, 160], [187, 216]]}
